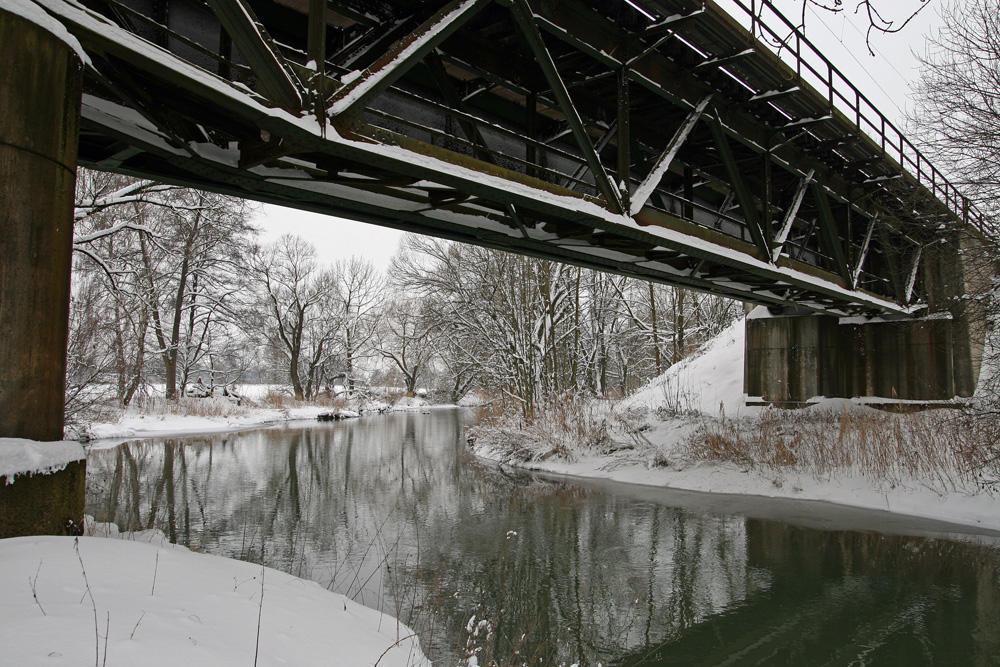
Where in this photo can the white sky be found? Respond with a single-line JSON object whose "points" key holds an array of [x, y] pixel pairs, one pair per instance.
{"points": [[885, 78]]}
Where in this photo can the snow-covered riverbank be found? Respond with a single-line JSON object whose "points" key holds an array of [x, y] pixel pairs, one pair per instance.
{"points": [[218, 415], [136, 599], [706, 389], [139, 600]]}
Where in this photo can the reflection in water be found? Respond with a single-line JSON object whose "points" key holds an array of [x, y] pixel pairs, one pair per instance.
{"points": [[394, 512]]}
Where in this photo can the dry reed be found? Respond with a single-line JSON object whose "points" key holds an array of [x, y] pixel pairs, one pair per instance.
{"points": [[945, 452]]}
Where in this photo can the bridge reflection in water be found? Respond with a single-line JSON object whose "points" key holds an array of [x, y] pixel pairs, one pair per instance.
{"points": [[395, 512]]}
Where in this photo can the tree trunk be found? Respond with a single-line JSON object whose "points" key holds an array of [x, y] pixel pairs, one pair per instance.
{"points": [[656, 334]]}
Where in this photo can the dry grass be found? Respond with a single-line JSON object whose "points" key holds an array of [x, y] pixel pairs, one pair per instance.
{"points": [[942, 451], [557, 430], [217, 406], [283, 400]]}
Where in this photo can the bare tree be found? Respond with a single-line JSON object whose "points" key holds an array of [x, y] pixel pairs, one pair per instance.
{"points": [[299, 317], [167, 260], [882, 16], [109, 309], [404, 340], [192, 263], [957, 113], [360, 292]]}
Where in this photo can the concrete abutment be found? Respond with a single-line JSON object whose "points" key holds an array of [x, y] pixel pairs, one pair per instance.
{"points": [[40, 85], [791, 358]]}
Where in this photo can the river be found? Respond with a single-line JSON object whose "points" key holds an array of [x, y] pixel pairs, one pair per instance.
{"points": [[394, 511]]}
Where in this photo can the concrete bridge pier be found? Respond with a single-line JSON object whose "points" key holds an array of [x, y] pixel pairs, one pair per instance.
{"points": [[40, 85], [792, 357]]}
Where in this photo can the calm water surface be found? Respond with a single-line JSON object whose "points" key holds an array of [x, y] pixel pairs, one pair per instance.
{"points": [[394, 512]]}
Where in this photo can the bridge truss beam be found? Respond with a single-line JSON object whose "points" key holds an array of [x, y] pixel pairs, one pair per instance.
{"points": [[578, 130]]}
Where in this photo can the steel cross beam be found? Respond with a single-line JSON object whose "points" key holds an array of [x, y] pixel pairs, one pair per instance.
{"points": [[499, 123], [257, 47]]}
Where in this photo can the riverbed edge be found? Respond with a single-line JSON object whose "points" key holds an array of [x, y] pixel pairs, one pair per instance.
{"points": [[980, 512]]}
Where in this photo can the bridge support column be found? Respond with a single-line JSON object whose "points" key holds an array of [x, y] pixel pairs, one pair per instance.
{"points": [[792, 359], [40, 84]]}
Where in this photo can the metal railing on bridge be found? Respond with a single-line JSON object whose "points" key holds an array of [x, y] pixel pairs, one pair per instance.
{"points": [[844, 96]]}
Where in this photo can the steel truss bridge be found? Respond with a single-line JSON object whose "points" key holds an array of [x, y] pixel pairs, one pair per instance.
{"points": [[662, 139]]}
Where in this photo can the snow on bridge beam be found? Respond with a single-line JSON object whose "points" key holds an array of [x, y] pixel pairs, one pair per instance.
{"points": [[256, 46], [652, 181], [406, 53], [525, 19], [215, 166]]}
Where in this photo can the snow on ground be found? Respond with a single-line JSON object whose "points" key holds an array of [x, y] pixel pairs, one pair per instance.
{"points": [[219, 415], [27, 457], [709, 385], [136, 424], [113, 602], [709, 381], [980, 511]]}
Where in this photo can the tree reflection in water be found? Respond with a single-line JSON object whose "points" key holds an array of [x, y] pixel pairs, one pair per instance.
{"points": [[394, 512]]}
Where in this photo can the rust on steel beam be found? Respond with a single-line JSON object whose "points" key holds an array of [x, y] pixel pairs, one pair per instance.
{"points": [[456, 175], [403, 55], [447, 88], [480, 147], [654, 218], [525, 20], [344, 9], [273, 77], [650, 183]]}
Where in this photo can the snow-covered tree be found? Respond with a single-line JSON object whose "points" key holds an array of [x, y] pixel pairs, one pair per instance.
{"points": [[154, 271], [360, 292]]}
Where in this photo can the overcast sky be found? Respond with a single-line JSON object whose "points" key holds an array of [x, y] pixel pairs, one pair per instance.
{"points": [[885, 78]]}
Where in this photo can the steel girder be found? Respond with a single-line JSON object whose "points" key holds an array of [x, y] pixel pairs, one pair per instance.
{"points": [[678, 149]]}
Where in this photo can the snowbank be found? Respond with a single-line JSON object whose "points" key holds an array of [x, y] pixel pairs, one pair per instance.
{"points": [[119, 602], [158, 425], [709, 385], [709, 381], [19, 456], [980, 511]]}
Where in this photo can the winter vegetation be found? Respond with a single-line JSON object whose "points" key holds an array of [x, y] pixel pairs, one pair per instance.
{"points": [[178, 308], [690, 427]]}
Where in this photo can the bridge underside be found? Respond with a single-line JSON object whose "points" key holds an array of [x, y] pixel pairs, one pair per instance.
{"points": [[667, 143]]}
